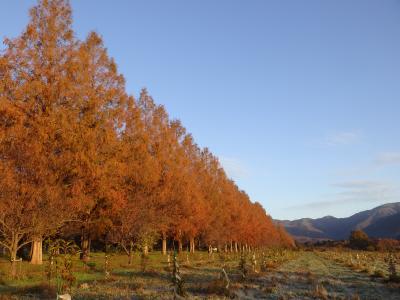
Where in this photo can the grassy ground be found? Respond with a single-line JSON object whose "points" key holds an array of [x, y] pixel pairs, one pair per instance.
{"points": [[313, 275], [289, 275]]}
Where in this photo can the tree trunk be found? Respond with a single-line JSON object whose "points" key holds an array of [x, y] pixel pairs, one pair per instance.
{"points": [[85, 249], [236, 247], [192, 245], [13, 258], [146, 250], [164, 244], [180, 245], [13, 268], [37, 251], [130, 254]]}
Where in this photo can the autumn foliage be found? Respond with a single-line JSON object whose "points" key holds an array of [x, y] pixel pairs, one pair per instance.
{"points": [[80, 157]]}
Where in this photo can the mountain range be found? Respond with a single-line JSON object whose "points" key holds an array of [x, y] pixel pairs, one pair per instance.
{"points": [[380, 222]]}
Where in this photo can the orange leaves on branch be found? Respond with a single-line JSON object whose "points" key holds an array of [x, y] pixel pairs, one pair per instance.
{"points": [[74, 146]]}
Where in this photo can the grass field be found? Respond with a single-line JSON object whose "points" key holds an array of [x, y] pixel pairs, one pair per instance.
{"points": [[288, 275]]}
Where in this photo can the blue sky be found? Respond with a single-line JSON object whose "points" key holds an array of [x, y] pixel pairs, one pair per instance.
{"points": [[299, 99]]}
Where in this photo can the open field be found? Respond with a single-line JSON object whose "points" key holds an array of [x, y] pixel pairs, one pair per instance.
{"points": [[258, 128], [288, 275]]}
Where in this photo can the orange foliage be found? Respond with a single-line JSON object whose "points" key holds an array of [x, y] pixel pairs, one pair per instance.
{"points": [[76, 151]]}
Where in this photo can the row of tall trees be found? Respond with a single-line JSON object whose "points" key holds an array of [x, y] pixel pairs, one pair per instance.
{"points": [[80, 157]]}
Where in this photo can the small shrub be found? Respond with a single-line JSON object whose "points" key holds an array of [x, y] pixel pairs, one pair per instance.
{"points": [[243, 266], [66, 278], [60, 266], [393, 277], [177, 281]]}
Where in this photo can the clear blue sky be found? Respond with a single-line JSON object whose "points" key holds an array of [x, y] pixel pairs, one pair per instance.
{"points": [[299, 99]]}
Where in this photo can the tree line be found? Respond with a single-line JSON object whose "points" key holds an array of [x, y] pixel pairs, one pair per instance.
{"points": [[81, 157]]}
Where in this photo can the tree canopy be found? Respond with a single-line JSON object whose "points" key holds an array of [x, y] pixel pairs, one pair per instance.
{"points": [[79, 156]]}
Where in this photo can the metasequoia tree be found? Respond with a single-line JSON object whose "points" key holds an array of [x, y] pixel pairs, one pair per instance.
{"points": [[187, 203], [98, 106], [194, 208], [34, 89], [213, 194], [163, 148], [138, 178]]}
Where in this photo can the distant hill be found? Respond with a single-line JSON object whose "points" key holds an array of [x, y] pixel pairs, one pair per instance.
{"points": [[380, 222]]}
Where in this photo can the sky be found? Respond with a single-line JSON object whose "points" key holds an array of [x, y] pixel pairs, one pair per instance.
{"points": [[300, 100]]}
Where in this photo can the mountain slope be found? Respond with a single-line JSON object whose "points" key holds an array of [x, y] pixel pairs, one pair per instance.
{"points": [[388, 227], [382, 221]]}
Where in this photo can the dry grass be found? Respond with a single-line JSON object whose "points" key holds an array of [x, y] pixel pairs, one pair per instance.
{"points": [[287, 275]]}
